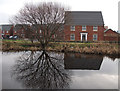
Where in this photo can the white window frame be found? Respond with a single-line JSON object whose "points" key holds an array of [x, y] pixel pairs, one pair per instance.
{"points": [[72, 36], [95, 28], [95, 39], [72, 28], [85, 35], [40, 31], [55, 35], [84, 28]]}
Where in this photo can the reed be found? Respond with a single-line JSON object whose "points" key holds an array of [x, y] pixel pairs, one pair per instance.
{"points": [[88, 48]]}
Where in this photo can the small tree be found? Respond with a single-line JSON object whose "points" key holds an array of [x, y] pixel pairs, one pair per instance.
{"points": [[46, 21]]}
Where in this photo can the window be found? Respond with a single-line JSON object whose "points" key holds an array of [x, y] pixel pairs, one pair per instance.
{"points": [[83, 28], [40, 31], [22, 35], [94, 37], [72, 37], [72, 28], [6, 31], [15, 31], [95, 28]]}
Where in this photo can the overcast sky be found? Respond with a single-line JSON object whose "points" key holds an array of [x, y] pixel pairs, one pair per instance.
{"points": [[109, 8]]}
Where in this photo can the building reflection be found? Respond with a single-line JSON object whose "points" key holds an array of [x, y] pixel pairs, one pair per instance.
{"points": [[40, 70], [83, 62]]}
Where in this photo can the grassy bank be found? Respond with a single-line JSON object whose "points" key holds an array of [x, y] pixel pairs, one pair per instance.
{"points": [[88, 48], [19, 45]]}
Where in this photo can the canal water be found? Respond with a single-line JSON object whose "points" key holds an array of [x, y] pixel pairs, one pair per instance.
{"points": [[21, 70]]}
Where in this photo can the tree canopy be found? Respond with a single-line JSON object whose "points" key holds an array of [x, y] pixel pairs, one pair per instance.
{"points": [[45, 20]]}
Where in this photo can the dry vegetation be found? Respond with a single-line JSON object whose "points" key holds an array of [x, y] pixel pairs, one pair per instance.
{"points": [[88, 48]]}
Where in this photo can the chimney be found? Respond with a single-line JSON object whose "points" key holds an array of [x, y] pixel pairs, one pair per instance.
{"points": [[106, 27]]}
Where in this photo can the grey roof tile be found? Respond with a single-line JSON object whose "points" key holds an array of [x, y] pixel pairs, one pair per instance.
{"points": [[85, 18], [6, 27]]}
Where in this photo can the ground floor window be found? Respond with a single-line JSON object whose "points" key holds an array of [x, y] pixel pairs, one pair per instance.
{"points": [[94, 37], [72, 37]]}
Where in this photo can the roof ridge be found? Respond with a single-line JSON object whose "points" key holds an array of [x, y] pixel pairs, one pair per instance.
{"points": [[84, 11]]}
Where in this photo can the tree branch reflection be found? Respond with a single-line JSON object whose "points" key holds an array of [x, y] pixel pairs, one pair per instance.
{"points": [[41, 70]]}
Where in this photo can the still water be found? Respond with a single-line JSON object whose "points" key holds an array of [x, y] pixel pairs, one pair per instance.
{"points": [[21, 70]]}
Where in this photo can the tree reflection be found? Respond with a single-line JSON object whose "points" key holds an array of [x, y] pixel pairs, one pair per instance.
{"points": [[41, 70]]}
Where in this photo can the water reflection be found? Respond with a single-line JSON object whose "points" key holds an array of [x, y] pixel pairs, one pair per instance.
{"points": [[34, 70], [41, 70], [83, 62]]}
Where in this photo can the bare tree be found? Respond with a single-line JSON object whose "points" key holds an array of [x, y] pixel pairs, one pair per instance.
{"points": [[41, 70], [46, 21]]}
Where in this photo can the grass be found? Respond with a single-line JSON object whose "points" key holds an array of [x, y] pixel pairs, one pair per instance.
{"points": [[88, 48]]}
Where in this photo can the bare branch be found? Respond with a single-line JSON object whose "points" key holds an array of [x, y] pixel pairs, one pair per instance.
{"points": [[47, 17]]}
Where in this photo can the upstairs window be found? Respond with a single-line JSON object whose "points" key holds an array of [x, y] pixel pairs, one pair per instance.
{"points": [[72, 28], [84, 28], [95, 28], [72, 37], [6, 31], [94, 37]]}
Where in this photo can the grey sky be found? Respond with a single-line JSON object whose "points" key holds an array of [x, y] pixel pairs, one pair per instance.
{"points": [[109, 9]]}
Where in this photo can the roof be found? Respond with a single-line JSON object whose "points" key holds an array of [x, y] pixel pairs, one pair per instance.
{"points": [[20, 26], [111, 30], [83, 62], [85, 18], [6, 27], [106, 30]]}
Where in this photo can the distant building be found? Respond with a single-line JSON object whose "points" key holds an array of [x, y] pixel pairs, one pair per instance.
{"points": [[82, 26], [6, 29], [11, 30], [110, 35]]}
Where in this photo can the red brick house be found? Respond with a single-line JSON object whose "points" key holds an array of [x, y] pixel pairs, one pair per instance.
{"points": [[84, 26], [11, 30], [110, 35], [19, 31], [6, 30]]}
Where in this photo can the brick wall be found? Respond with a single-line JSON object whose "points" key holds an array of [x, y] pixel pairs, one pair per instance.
{"points": [[111, 35], [89, 30]]}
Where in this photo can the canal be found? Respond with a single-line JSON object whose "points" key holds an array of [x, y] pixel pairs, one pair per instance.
{"points": [[21, 70]]}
